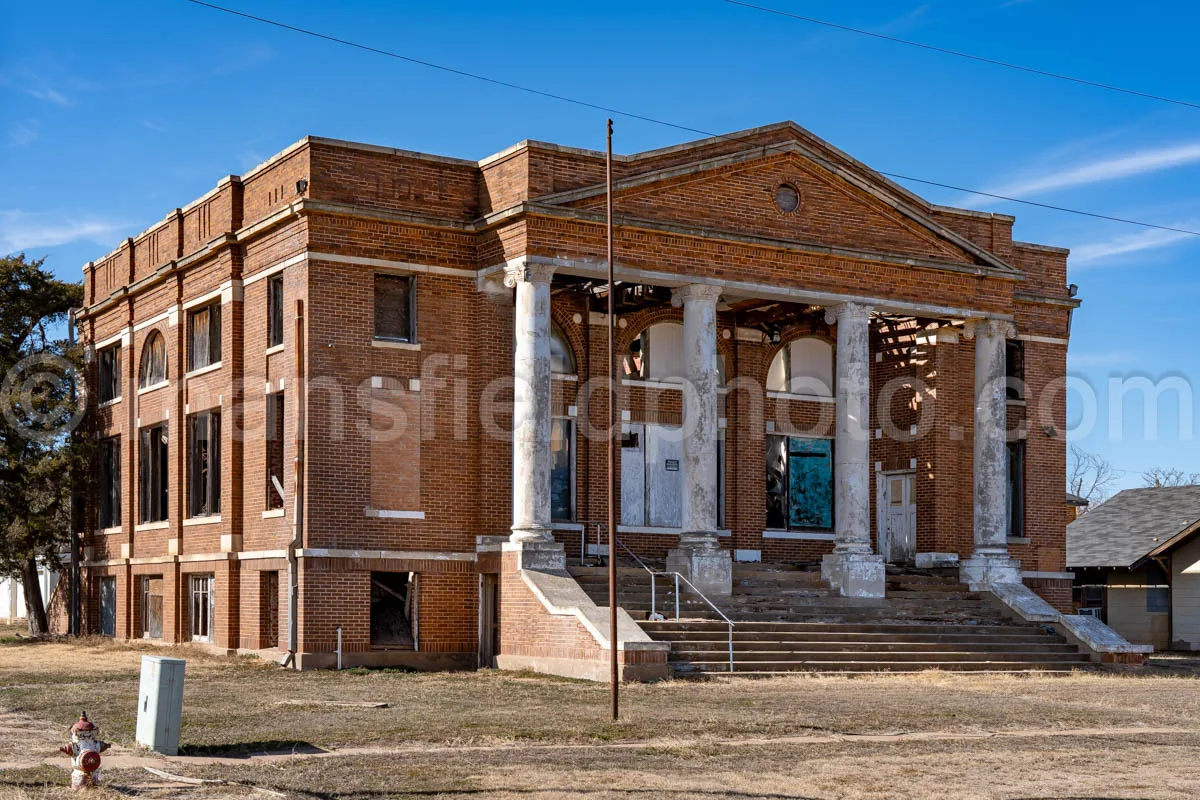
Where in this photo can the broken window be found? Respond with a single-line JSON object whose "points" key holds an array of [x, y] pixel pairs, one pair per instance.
{"points": [[154, 361], [204, 464], [799, 483], [204, 336], [803, 366], [274, 310], [202, 608], [107, 589], [562, 469], [152, 607], [393, 609], [109, 368], [268, 605], [395, 308], [110, 482], [1014, 369], [274, 441], [1015, 488], [562, 358], [152, 473]]}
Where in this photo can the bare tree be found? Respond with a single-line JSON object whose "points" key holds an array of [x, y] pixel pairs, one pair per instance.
{"points": [[1169, 476], [1089, 475]]}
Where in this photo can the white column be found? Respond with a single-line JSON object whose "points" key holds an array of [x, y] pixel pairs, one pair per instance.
{"points": [[852, 569], [990, 563], [531, 402], [698, 555]]}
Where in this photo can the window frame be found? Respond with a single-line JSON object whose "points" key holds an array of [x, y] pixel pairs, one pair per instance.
{"points": [[108, 512], [275, 310], [155, 341], [411, 338], [273, 441], [154, 496], [212, 355], [786, 486], [572, 455], [557, 334], [201, 589], [1014, 369], [1015, 480], [146, 630], [108, 368], [204, 487]]}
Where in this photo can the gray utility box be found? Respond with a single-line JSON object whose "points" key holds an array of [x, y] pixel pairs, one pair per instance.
{"points": [[160, 704]]}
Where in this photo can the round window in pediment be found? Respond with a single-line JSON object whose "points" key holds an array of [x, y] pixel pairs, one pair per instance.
{"points": [[787, 198]]}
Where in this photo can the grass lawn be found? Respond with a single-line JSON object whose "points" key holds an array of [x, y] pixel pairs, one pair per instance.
{"points": [[500, 735]]}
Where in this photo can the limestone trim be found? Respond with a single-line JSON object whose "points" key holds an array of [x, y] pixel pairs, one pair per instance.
{"points": [[398, 555]]}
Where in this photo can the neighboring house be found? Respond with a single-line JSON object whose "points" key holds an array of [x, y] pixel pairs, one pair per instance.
{"points": [[1136, 559], [12, 595], [356, 312]]}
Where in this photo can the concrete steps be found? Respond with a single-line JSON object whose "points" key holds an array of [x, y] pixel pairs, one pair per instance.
{"points": [[786, 620]]}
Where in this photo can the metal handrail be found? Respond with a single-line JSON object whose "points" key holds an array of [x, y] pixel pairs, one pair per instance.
{"points": [[655, 574]]}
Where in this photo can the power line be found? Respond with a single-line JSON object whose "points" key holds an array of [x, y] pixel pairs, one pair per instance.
{"points": [[960, 54], [643, 118]]}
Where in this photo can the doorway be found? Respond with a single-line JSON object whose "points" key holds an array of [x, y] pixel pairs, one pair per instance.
{"points": [[108, 606], [489, 619], [898, 517]]}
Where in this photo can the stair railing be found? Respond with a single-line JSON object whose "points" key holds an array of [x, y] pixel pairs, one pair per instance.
{"points": [[655, 574]]}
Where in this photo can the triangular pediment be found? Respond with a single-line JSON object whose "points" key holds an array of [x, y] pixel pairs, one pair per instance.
{"points": [[841, 205]]}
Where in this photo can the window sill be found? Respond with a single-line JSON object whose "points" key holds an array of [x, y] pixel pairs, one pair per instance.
{"points": [[1018, 540], [807, 398], [272, 350], [203, 370], [567, 526], [801, 536], [652, 384], [108, 403], [210, 520], [383, 513], [153, 388], [1011, 401], [563, 376], [651, 529], [390, 345], [273, 513], [152, 526], [110, 531]]}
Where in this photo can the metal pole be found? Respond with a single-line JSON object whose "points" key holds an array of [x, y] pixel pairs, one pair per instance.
{"points": [[676, 596], [615, 676], [339, 632]]}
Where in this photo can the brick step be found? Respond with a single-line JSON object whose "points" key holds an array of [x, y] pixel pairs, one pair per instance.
{"points": [[807, 646], [822, 656], [770, 668], [868, 639], [816, 627]]}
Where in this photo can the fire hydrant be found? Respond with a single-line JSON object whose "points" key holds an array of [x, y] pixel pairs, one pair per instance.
{"points": [[85, 749]]}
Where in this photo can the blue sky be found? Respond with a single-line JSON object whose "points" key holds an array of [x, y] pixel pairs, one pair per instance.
{"points": [[113, 114]]}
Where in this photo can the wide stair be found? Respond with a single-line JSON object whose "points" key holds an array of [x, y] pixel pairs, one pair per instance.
{"points": [[786, 620]]}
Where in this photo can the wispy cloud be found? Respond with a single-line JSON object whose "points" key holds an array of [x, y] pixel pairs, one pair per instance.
{"points": [[904, 22], [27, 81], [1089, 253], [1126, 165], [23, 132], [20, 230]]}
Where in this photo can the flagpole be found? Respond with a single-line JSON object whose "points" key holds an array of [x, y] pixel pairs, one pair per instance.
{"points": [[615, 676]]}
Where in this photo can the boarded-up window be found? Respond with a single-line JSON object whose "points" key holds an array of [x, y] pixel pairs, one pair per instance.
{"points": [[109, 368], [152, 607], [799, 483], [204, 345], [153, 369], [204, 464], [110, 482], [652, 476], [152, 473], [395, 446], [803, 366], [274, 310], [274, 443], [395, 308]]}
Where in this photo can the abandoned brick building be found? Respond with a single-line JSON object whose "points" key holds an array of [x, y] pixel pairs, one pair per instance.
{"points": [[313, 374]]}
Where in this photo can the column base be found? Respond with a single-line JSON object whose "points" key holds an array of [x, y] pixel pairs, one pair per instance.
{"points": [[709, 568], [855, 574], [983, 570], [531, 533], [538, 555]]}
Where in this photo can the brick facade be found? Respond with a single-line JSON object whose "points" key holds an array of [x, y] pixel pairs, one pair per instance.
{"points": [[404, 451]]}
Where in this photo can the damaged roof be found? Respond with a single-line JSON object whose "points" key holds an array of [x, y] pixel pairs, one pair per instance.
{"points": [[1134, 525]]}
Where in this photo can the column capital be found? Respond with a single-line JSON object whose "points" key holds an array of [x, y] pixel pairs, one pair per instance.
{"points": [[702, 292], [851, 309], [527, 273], [988, 326]]}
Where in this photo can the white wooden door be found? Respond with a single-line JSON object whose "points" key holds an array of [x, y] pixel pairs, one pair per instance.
{"points": [[900, 516], [664, 476]]}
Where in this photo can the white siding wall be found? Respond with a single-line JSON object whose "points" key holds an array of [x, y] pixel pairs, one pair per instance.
{"points": [[1185, 595]]}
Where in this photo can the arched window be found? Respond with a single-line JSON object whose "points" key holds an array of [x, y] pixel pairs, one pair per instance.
{"points": [[562, 358], [657, 355], [154, 361], [803, 366]]}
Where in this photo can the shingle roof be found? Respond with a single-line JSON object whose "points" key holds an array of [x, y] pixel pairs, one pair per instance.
{"points": [[1122, 530]]}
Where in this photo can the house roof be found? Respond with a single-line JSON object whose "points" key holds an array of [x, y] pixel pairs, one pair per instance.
{"points": [[1133, 525]]}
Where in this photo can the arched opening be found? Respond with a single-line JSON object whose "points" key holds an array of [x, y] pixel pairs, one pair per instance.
{"points": [[153, 369], [803, 366], [562, 358], [657, 355]]}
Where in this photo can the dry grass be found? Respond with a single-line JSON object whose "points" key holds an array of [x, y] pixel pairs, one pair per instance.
{"points": [[682, 738]]}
